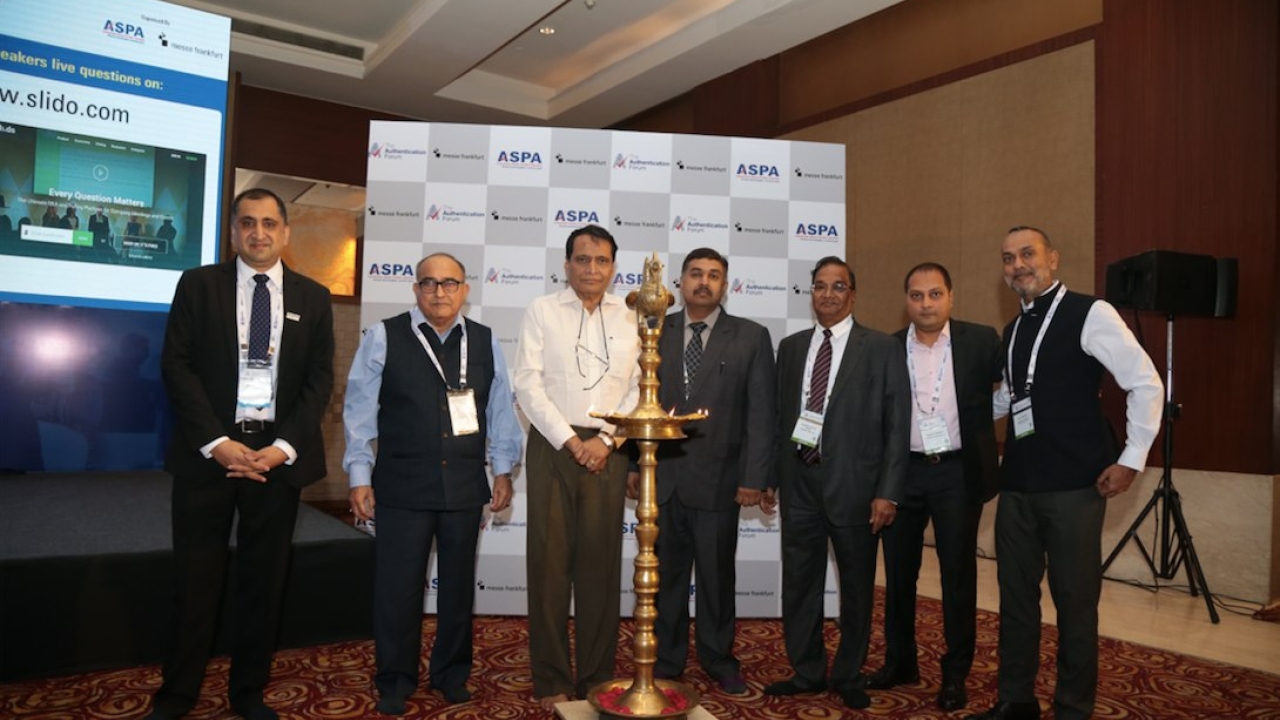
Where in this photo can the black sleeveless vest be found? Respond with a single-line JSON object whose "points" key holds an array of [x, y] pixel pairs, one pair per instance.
{"points": [[421, 463], [1072, 443]]}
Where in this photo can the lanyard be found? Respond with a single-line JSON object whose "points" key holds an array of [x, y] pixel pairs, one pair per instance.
{"points": [[942, 373], [1035, 347], [462, 369]]}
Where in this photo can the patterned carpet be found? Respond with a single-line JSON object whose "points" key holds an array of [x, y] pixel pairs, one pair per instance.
{"points": [[335, 681]]}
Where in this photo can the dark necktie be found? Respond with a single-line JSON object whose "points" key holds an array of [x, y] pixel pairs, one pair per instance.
{"points": [[818, 390], [260, 319], [693, 355]]}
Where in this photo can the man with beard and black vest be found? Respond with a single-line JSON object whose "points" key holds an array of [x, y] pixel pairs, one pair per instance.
{"points": [[1061, 464], [431, 387]]}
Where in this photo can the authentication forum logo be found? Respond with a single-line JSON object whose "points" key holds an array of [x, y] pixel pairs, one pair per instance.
{"points": [[750, 287], [391, 152], [693, 225], [504, 276]]}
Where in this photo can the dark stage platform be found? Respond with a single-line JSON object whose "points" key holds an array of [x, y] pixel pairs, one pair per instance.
{"points": [[85, 574]]}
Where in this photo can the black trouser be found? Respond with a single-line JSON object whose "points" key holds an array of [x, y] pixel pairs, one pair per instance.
{"points": [[937, 492]]}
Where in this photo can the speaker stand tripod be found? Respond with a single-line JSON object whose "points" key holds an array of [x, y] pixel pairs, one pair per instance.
{"points": [[1174, 546]]}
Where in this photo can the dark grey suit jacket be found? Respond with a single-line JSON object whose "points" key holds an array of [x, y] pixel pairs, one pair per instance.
{"points": [[200, 367], [735, 383], [975, 352], [866, 433]]}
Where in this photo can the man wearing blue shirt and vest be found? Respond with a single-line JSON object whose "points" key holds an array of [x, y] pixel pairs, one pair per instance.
{"points": [[1060, 466], [431, 387]]}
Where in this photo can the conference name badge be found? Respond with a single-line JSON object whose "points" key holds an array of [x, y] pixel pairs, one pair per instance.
{"points": [[254, 390], [462, 412], [1023, 424], [934, 435], [808, 430]]}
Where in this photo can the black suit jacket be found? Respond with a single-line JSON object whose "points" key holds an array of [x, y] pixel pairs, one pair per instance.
{"points": [[735, 383], [866, 433], [977, 364], [200, 367]]}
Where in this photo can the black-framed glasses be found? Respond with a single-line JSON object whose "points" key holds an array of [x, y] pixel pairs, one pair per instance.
{"points": [[588, 357], [821, 288], [449, 284]]}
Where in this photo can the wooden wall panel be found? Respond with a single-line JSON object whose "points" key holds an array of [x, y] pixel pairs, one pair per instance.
{"points": [[302, 137], [1187, 161]]}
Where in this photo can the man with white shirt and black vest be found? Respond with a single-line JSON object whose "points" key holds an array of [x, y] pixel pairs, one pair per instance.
{"points": [[1061, 464], [431, 387], [953, 470]]}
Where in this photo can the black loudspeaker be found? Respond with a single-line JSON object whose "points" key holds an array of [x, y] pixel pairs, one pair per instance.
{"points": [[1170, 282]]}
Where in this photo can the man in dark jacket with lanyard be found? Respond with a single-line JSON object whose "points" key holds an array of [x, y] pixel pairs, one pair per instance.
{"points": [[431, 387], [953, 470], [1060, 467]]}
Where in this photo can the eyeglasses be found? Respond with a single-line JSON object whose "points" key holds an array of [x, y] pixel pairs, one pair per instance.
{"points": [[835, 288], [585, 355], [449, 284]]}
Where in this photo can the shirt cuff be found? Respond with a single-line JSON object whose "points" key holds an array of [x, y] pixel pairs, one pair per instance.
{"points": [[1134, 459], [287, 449], [360, 475], [207, 450]]}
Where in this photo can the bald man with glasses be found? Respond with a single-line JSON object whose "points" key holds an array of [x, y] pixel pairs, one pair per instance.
{"points": [[578, 354]]}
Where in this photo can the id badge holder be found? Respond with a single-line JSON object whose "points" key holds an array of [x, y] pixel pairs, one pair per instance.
{"points": [[462, 412], [934, 435], [808, 430], [254, 389], [1023, 422]]}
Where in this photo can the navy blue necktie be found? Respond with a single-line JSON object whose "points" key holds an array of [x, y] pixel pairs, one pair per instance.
{"points": [[260, 319]]}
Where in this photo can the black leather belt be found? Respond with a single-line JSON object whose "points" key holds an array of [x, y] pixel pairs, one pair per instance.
{"points": [[253, 427], [935, 458]]}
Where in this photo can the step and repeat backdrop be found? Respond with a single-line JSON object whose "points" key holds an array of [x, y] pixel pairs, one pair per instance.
{"points": [[504, 199]]}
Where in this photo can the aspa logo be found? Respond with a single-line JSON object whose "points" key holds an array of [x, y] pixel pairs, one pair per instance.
{"points": [[520, 159], [817, 231], [391, 272], [124, 31], [628, 278], [576, 217], [375, 150], [758, 173]]}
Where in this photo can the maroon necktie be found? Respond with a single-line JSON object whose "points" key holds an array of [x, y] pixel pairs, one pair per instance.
{"points": [[818, 391]]}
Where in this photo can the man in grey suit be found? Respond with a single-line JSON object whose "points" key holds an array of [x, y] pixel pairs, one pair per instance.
{"points": [[723, 364], [845, 412]]}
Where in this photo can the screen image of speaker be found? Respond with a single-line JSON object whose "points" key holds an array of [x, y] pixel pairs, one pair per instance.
{"points": [[1173, 282]]}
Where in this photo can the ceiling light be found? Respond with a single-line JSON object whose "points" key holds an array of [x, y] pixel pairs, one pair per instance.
{"points": [[547, 30]]}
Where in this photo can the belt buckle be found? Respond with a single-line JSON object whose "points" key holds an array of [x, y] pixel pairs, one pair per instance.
{"points": [[933, 459], [252, 427]]}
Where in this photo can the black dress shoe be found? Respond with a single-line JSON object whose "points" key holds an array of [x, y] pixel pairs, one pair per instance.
{"points": [[855, 697], [256, 711], [457, 694], [792, 687], [953, 695], [889, 676], [1010, 711], [392, 705]]}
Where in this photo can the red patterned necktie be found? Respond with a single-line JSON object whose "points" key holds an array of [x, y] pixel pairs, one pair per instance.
{"points": [[818, 391]]}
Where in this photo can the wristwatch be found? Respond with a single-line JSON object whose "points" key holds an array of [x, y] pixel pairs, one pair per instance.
{"points": [[608, 440]]}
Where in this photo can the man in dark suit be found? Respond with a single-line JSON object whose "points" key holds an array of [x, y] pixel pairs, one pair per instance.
{"points": [[248, 366], [724, 364], [845, 415], [100, 226], [433, 419], [953, 366]]}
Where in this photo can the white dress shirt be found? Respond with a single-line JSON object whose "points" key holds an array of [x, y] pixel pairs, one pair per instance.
{"points": [[1108, 340], [570, 363]]}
